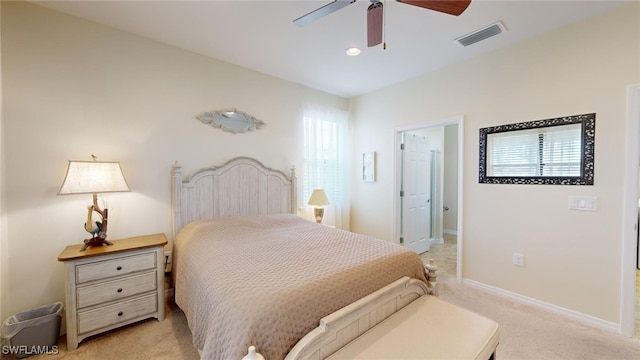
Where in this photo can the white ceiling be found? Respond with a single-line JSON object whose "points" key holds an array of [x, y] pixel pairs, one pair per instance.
{"points": [[260, 34]]}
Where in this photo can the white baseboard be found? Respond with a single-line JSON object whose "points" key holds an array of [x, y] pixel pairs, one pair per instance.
{"points": [[436, 241], [450, 232], [584, 318]]}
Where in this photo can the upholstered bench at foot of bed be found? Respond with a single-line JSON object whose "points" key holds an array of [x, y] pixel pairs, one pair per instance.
{"points": [[427, 328]]}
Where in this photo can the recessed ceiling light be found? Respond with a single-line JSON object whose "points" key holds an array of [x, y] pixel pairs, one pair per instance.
{"points": [[353, 51]]}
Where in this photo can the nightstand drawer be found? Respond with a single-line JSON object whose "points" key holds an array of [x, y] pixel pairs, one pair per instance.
{"points": [[116, 289], [109, 268], [116, 313]]}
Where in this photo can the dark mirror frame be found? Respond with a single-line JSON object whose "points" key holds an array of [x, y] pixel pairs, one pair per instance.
{"points": [[588, 122]]}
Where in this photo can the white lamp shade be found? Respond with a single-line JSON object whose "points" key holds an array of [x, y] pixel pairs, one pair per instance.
{"points": [[318, 198], [86, 177]]}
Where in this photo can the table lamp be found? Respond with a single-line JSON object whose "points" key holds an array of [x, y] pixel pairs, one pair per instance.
{"points": [[93, 177], [318, 199]]}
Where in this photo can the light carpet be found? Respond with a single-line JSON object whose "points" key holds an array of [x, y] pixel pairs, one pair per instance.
{"points": [[525, 333], [530, 333]]}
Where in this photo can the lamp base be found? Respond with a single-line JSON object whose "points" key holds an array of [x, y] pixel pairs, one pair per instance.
{"points": [[96, 241], [318, 213]]}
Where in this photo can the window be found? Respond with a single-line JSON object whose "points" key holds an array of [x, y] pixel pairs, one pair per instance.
{"points": [[325, 157], [552, 151]]}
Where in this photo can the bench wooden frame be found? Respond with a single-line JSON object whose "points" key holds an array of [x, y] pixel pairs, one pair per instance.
{"points": [[396, 321], [346, 324]]}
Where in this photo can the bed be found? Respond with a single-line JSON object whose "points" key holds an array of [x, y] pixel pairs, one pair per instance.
{"points": [[249, 272]]}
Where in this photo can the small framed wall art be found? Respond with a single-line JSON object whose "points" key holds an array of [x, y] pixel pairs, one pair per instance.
{"points": [[369, 166]]}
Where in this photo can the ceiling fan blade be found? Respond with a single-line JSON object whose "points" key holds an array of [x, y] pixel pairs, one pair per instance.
{"points": [[453, 7], [321, 12], [374, 24]]}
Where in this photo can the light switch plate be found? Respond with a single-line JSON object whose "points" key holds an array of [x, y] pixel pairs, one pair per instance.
{"points": [[518, 259], [583, 203]]}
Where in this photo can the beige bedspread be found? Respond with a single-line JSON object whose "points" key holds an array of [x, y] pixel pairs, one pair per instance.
{"points": [[267, 280]]}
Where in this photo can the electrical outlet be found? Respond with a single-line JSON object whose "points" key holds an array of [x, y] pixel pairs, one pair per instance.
{"points": [[518, 259], [168, 259]]}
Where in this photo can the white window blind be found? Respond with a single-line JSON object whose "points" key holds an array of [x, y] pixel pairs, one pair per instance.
{"points": [[325, 156], [550, 151]]}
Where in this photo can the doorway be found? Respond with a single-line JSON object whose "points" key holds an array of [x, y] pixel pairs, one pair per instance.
{"points": [[444, 218]]}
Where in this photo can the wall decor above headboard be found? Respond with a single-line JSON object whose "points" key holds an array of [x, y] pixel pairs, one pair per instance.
{"points": [[231, 120]]}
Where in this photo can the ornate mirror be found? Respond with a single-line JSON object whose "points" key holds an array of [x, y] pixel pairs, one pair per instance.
{"points": [[231, 120], [556, 151]]}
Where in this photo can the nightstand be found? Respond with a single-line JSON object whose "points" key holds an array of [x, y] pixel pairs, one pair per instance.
{"points": [[112, 286]]}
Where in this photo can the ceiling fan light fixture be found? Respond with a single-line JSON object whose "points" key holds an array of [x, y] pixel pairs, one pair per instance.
{"points": [[353, 51]]}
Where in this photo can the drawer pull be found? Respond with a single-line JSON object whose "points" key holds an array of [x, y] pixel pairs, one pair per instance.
{"points": [[119, 268], [120, 313], [120, 290]]}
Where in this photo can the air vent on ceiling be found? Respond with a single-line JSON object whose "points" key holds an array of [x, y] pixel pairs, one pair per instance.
{"points": [[482, 34]]}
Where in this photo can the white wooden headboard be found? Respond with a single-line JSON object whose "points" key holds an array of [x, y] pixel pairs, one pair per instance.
{"points": [[242, 186]]}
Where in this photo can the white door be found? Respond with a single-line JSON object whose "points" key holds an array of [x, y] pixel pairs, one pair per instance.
{"points": [[416, 193]]}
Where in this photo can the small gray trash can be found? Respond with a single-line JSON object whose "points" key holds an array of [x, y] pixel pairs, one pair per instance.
{"points": [[33, 331]]}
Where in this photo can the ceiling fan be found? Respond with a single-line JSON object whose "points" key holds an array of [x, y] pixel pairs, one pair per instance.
{"points": [[374, 13]]}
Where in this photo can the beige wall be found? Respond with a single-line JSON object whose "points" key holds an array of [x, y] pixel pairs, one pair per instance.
{"points": [[573, 259], [4, 244], [73, 88]]}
